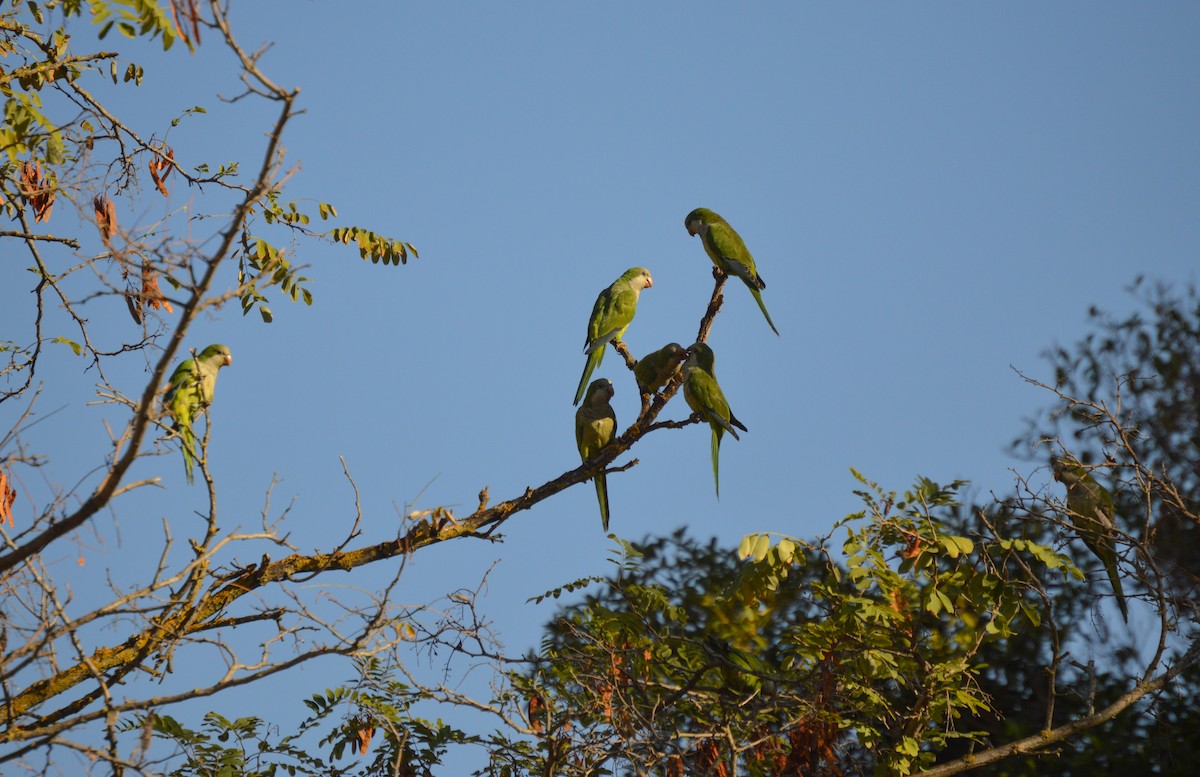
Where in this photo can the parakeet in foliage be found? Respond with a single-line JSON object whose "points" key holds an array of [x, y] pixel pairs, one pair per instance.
{"points": [[1092, 513], [656, 369], [704, 396], [595, 426], [727, 251], [614, 309], [190, 392]]}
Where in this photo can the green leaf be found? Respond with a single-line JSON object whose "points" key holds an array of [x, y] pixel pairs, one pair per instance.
{"points": [[76, 347], [761, 546], [962, 546]]}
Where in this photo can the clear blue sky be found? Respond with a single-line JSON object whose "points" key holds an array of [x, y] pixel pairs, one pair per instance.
{"points": [[935, 194]]}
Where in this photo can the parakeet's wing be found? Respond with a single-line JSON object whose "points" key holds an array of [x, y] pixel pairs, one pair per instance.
{"points": [[646, 373], [656, 369], [1093, 511], [1098, 509], [615, 316], [593, 346], [182, 402], [710, 402], [723, 241], [182, 378], [599, 312]]}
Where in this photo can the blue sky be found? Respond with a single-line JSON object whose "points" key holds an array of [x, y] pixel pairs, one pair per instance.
{"points": [[935, 194]]}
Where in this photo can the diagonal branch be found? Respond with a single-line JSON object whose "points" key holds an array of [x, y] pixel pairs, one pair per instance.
{"points": [[1039, 742], [209, 609]]}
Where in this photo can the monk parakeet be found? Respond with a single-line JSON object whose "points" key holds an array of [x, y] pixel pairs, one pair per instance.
{"points": [[1091, 508], [727, 251], [189, 392], [656, 369], [595, 425], [614, 309], [704, 396]]}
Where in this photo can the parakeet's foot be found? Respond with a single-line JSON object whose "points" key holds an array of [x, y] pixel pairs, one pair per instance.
{"points": [[620, 347]]}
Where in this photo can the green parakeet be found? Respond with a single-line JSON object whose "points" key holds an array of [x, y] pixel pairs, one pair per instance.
{"points": [[704, 396], [725, 247], [595, 425], [614, 309], [190, 392], [656, 369], [1092, 512]]}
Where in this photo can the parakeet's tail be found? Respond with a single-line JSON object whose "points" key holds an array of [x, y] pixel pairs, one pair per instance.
{"points": [[188, 441], [602, 497], [1114, 577], [1103, 549], [593, 361], [761, 306], [716, 447]]}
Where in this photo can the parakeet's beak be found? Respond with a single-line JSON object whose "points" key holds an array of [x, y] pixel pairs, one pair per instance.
{"points": [[229, 360], [649, 281], [692, 228]]}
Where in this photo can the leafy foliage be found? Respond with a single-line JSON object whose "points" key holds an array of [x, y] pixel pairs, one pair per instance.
{"points": [[375, 247], [796, 657], [372, 716]]}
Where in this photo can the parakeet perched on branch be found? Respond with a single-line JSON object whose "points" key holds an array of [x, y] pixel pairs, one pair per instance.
{"points": [[1092, 513], [704, 396], [614, 309], [656, 369], [190, 392], [595, 426], [725, 247]]}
